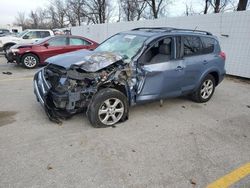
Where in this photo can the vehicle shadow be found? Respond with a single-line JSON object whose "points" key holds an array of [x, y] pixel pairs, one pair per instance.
{"points": [[136, 113]]}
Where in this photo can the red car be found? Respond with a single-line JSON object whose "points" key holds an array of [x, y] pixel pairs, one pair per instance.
{"points": [[31, 55]]}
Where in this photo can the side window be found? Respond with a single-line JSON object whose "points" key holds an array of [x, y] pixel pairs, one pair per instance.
{"points": [[28, 35], [35, 34], [192, 45], [208, 45], [78, 42], [60, 41], [44, 34], [159, 52]]}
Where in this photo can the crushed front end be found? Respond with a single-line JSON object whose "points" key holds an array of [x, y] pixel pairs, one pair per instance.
{"points": [[66, 91]]}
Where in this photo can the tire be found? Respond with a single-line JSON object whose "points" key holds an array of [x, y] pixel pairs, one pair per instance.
{"points": [[108, 107], [205, 90], [29, 60]]}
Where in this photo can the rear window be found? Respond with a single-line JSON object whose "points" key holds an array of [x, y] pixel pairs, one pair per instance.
{"points": [[61, 41], [192, 45], [44, 34], [208, 45], [78, 42]]}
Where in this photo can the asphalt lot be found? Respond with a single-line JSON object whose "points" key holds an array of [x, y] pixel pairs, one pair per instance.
{"points": [[181, 144]]}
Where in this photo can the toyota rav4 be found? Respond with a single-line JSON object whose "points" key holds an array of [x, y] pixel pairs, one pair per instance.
{"points": [[129, 68]]}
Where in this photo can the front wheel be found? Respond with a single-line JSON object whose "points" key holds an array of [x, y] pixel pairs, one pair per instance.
{"points": [[205, 90], [30, 61], [108, 107]]}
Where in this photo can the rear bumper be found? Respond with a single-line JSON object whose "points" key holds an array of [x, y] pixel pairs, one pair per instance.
{"points": [[221, 77]]}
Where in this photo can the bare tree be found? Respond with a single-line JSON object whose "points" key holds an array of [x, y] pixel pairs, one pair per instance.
{"points": [[218, 5], [155, 7], [206, 6], [242, 5], [189, 10], [33, 19], [96, 11], [133, 9], [140, 7], [52, 16], [75, 11], [21, 20]]}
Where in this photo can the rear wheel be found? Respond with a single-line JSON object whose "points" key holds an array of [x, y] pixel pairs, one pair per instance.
{"points": [[205, 90], [30, 61], [108, 107]]}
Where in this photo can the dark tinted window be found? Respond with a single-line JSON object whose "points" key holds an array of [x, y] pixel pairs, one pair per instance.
{"points": [[78, 42], [208, 45], [192, 45], [44, 34], [61, 41]]}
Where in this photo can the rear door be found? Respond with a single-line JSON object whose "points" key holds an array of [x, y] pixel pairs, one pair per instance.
{"points": [[194, 60], [159, 79], [56, 45], [76, 43]]}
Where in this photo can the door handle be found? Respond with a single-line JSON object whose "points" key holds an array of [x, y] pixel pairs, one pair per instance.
{"points": [[179, 68]]}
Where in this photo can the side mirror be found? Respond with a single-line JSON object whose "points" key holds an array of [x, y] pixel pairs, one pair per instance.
{"points": [[26, 37], [46, 45]]}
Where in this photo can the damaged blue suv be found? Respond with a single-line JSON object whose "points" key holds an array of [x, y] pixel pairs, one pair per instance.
{"points": [[129, 68]]}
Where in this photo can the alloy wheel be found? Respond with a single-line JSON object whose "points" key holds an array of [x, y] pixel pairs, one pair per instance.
{"points": [[207, 89], [111, 111], [30, 61]]}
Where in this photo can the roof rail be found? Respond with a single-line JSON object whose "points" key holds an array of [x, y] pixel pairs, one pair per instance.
{"points": [[192, 30], [152, 28], [170, 29]]}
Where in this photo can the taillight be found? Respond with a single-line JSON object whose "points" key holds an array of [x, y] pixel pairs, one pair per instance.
{"points": [[223, 55]]}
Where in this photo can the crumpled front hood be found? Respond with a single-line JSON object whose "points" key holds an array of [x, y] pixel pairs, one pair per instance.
{"points": [[89, 61], [18, 46]]}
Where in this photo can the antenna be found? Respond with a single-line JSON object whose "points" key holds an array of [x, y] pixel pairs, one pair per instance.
{"points": [[195, 28]]}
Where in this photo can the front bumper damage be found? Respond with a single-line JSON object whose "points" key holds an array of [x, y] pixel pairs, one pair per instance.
{"points": [[59, 105], [41, 90], [65, 92], [12, 57]]}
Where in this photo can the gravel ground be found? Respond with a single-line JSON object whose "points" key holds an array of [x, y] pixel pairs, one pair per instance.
{"points": [[181, 144]]}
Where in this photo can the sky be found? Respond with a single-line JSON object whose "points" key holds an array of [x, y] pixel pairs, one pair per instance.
{"points": [[10, 8]]}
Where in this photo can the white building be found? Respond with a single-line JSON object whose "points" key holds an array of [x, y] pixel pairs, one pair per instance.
{"points": [[12, 28]]}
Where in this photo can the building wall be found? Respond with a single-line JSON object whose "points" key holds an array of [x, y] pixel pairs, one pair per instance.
{"points": [[235, 27], [9, 27]]}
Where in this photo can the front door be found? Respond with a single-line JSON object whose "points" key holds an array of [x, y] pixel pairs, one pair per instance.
{"points": [[160, 74], [56, 46]]}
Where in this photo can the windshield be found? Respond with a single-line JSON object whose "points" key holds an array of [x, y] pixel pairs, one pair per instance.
{"points": [[42, 40], [125, 44], [21, 34]]}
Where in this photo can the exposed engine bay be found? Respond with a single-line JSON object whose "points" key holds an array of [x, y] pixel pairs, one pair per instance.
{"points": [[72, 89]]}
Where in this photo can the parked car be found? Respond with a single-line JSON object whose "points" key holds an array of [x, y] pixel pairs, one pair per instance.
{"points": [[27, 36], [31, 55], [4, 32], [129, 68]]}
